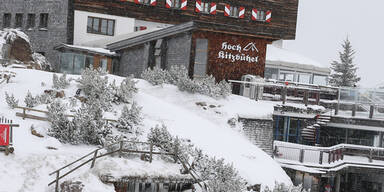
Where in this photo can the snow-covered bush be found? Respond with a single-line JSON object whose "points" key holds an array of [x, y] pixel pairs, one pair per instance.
{"points": [[61, 127], [93, 83], [155, 76], [60, 82], [11, 101], [178, 75], [219, 176], [281, 187], [130, 120], [127, 89], [45, 98], [41, 61], [31, 101]]}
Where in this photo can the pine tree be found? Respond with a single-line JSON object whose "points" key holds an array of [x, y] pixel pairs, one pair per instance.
{"points": [[11, 101], [344, 72]]}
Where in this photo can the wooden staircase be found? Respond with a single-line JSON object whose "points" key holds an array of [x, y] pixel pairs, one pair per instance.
{"points": [[310, 133]]}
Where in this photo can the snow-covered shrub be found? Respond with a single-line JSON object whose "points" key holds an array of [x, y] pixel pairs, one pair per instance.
{"points": [[93, 83], [130, 120], [281, 187], [45, 98], [127, 89], [155, 76], [11, 101], [219, 176], [61, 127], [188, 85], [41, 61], [60, 82], [176, 74], [31, 101]]}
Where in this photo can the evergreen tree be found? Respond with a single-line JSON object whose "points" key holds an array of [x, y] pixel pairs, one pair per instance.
{"points": [[11, 101], [344, 72]]}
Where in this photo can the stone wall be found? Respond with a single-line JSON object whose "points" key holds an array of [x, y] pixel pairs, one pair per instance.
{"points": [[178, 50], [259, 132], [133, 61], [42, 40]]}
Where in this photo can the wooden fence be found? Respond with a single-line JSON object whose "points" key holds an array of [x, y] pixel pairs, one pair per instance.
{"points": [[25, 114], [121, 150]]}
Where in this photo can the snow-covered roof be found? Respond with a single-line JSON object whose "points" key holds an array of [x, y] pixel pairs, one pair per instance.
{"points": [[94, 50], [105, 41], [285, 58]]}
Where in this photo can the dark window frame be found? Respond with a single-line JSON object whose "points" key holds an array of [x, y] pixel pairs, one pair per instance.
{"points": [[44, 18], [90, 29], [261, 15], [19, 20], [145, 2], [234, 11], [7, 20], [31, 20]]}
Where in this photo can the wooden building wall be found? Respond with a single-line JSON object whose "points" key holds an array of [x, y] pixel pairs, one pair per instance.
{"points": [[282, 26], [234, 46]]}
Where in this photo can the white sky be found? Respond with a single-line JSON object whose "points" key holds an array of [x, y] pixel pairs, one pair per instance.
{"points": [[324, 24]]}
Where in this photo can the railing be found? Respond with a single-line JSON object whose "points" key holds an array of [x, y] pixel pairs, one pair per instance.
{"points": [[326, 155], [24, 114], [92, 156]]}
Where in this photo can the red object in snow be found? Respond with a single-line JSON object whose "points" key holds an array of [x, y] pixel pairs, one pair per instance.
{"points": [[4, 135], [286, 83], [143, 28]]}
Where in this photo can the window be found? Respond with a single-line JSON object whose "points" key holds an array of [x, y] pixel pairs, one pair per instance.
{"points": [[19, 20], [103, 65], [176, 4], [271, 73], [7, 20], [260, 16], [72, 63], [205, 7], [147, 2], [319, 80], [101, 26], [31, 21], [43, 20], [234, 12], [304, 78]]}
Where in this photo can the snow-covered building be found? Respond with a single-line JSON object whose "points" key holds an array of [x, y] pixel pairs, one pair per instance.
{"points": [[285, 65]]}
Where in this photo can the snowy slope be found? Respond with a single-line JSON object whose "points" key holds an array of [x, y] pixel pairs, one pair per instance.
{"points": [[28, 168]]}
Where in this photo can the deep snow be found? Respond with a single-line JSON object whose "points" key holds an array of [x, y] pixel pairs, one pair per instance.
{"points": [[27, 169]]}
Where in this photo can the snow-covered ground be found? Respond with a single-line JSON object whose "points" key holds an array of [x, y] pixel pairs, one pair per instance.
{"points": [[28, 168]]}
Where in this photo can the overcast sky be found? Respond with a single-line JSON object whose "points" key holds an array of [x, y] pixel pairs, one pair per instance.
{"points": [[323, 25]]}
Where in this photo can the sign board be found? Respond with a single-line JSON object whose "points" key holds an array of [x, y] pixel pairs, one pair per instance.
{"points": [[4, 135], [236, 52]]}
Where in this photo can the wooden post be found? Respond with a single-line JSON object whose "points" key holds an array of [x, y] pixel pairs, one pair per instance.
{"points": [[284, 95], [306, 97], [337, 106], [370, 155], [57, 181], [24, 114], [329, 156], [94, 159], [318, 98], [121, 149], [371, 111], [301, 158], [150, 152], [354, 110], [321, 157]]}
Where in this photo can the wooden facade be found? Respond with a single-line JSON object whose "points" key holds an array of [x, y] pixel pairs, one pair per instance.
{"points": [[232, 56], [282, 25]]}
